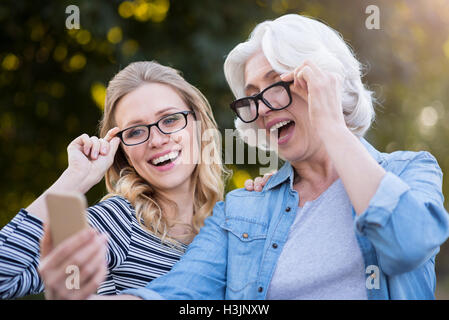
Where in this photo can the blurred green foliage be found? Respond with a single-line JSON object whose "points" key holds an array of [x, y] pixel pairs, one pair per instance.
{"points": [[52, 80]]}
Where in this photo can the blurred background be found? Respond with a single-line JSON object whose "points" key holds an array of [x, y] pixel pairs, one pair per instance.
{"points": [[53, 80]]}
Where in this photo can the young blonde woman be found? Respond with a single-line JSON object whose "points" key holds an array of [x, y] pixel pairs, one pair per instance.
{"points": [[159, 189]]}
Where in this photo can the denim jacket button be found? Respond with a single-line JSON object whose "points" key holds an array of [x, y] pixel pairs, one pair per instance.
{"points": [[288, 209], [260, 289], [275, 245], [245, 235]]}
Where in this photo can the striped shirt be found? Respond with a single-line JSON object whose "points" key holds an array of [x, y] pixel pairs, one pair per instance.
{"points": [[135, 256]]}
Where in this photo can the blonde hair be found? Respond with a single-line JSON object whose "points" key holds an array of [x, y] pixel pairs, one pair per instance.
{"points": [[288, 41], [123, 180]]}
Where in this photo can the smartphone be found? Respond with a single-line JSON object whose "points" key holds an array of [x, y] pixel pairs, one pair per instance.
{"points": [[67, 215]]}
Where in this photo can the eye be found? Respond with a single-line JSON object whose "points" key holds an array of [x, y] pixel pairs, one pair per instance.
{"points": [[277, 88], [171, 120], [134, 132]]}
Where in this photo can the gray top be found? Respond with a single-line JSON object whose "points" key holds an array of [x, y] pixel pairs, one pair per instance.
{"points": [[321, 258]]}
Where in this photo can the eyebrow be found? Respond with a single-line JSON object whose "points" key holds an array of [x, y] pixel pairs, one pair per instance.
{"points": [[267, 75], [140, 121]]}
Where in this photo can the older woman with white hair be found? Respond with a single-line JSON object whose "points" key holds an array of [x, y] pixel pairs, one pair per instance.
{"points": [[340, 220]]}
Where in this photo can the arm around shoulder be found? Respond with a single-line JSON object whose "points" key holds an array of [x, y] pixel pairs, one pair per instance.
{"points": [[201, 272]]}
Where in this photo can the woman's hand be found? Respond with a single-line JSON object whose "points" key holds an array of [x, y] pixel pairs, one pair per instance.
{"points": [[74, 269], [258, 183], [90, 157], [360, 173], [322, 91]]}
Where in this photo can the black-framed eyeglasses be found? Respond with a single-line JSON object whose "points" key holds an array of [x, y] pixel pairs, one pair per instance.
{"points": [[168, 124], [276, 97]]}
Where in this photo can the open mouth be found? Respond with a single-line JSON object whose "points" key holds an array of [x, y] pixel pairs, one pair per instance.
{"points": [[165, 160], [283, 129]]}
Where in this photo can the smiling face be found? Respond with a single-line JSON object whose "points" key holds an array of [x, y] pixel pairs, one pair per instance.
{"points": [[290, 128], [165, 161]]}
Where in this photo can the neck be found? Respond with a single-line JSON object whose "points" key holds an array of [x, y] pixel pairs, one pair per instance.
{"points": [[316, 172], [182, 196]]}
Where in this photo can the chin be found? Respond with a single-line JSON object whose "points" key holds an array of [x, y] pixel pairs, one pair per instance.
{"points": [[168, 182], [292, 152], [290, 157], [173, 180]]}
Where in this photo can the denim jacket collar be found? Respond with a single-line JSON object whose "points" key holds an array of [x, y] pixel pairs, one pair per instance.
{"points": [[287, 172]]}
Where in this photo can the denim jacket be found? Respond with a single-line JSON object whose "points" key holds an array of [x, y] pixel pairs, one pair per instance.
{"points": [[235, 254]]}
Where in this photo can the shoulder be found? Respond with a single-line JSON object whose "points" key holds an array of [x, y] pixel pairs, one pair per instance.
{"points": [[115, 210], [118, 202], [401, 161]]}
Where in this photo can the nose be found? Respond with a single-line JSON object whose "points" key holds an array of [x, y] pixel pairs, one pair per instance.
{"points": [[263, 109], [157, 138]]}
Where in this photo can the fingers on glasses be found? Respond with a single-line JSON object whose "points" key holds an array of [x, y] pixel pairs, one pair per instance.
{"points": [[111, 134], [92, 147]]}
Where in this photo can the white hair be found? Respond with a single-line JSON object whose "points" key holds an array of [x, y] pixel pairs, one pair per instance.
{"points": [[286, 43]]}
